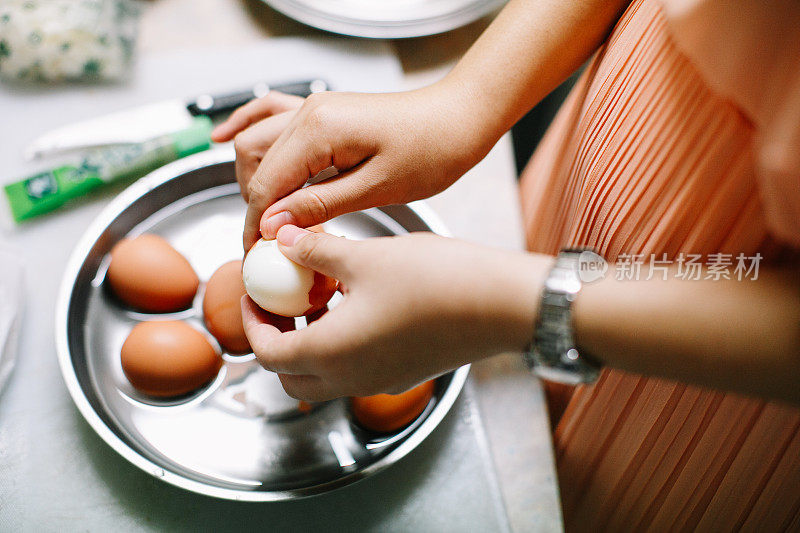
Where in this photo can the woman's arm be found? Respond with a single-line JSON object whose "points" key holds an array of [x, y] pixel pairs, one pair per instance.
{"points": [[528, 50], [728, 334], [394, 148], [419, 305]]}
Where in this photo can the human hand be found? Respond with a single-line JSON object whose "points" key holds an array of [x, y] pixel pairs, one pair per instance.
{"points": [[255, 126], [388, 148], [414, 307]]}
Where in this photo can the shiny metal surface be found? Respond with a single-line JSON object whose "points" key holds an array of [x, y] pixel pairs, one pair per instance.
{"points": [[386, 19], [240, 437]]}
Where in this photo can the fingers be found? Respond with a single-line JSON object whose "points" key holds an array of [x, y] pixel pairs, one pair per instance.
{"points": [[323, 134], [286, 167], [315, 204], [252, 143], [307, 388], [265, 332], [293, 355], [253, 111], [321, 252]]}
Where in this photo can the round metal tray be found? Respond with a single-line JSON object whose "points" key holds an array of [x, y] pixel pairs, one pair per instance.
{"points": [[386, 19], [240, 437]]}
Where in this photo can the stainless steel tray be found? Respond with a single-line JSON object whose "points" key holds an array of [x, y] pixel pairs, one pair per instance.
{"points": [[386, 19], [240, 437]]}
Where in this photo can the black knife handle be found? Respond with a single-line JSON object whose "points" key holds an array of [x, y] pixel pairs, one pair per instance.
{"points": [[212, 105]]}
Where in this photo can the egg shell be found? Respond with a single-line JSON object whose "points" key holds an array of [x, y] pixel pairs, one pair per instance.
{"points": [[316, 315], [222, 307], [282, 323], [322, 290], [280, 286], [389, 412], [168, 358], [148, 274]]}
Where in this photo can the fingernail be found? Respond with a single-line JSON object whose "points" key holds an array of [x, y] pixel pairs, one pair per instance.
{"points": [[271, 226], [289, 235]]}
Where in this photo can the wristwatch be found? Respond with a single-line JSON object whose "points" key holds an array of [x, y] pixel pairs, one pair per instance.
{"points": [[553, 354]]}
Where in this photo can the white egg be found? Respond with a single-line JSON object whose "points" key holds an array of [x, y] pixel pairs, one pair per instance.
{"points": [[275, 283]]}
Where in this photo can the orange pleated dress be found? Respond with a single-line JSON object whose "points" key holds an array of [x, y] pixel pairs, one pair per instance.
{"points": [[648, 157]]}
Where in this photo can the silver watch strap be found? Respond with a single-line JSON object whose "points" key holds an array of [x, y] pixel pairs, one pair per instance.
{"points": [[554, 354]]}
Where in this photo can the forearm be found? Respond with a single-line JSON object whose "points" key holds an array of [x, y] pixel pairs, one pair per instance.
{"points": [[728, 334], [529, 49]]}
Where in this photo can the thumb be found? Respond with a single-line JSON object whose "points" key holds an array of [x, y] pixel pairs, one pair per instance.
{"points": [[320, 252], [349, 191]]}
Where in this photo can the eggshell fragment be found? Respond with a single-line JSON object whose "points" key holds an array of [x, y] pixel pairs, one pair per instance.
{"points": [[281, 286], [222, 309], [168, 358], [316, 315], [389, 412], [148, 274]]}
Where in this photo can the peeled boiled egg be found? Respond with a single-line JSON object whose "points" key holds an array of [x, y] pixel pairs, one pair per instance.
{"points": [[281, 286], [389, 412], [168, 358], [148, 274], [222, 310]]}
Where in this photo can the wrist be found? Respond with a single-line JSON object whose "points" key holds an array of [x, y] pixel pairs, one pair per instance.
{"points": [[518, 303], [554, 353], [474, 119]]}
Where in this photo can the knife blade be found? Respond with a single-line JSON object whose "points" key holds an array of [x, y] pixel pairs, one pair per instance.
{"points": [[139, 124]]}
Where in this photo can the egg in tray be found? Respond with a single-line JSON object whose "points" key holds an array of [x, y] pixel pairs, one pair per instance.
{"points": [[186, 331]]}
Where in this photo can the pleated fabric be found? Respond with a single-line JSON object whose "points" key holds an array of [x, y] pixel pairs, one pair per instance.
{"points": [[645, 159]]}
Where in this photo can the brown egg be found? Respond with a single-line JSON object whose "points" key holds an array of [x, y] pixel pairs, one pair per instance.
{"points": [[148, 274], [390, 412], [168, 358], [222, 309]]}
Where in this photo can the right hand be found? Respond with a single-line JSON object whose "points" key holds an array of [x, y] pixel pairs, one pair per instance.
{"points": [[388, 148], [415, 306]]}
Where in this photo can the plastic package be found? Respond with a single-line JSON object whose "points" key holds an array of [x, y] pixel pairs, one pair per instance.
{"points": [[59, 40]]}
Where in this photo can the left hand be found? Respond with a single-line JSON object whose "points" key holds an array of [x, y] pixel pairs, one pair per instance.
{"points": [[414, 307], [255, 127]]}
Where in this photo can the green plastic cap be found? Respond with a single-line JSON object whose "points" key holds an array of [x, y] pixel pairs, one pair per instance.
{"points": [[193, 139]]}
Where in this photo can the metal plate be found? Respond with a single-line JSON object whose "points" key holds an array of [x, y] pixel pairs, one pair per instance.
{"points": [[386, 19], [240, 437]]}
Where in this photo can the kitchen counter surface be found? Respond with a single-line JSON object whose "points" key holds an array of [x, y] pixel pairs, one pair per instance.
{"points": [[510, 402]]}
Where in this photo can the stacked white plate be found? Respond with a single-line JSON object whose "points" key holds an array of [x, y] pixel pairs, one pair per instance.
{"points": [[386, 19]]}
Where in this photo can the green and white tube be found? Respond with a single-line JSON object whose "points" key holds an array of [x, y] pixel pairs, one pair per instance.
{"points": [[47, 191]]}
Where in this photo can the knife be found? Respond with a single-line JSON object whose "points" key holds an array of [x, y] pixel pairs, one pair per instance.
{"points": [[142, 123]]}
